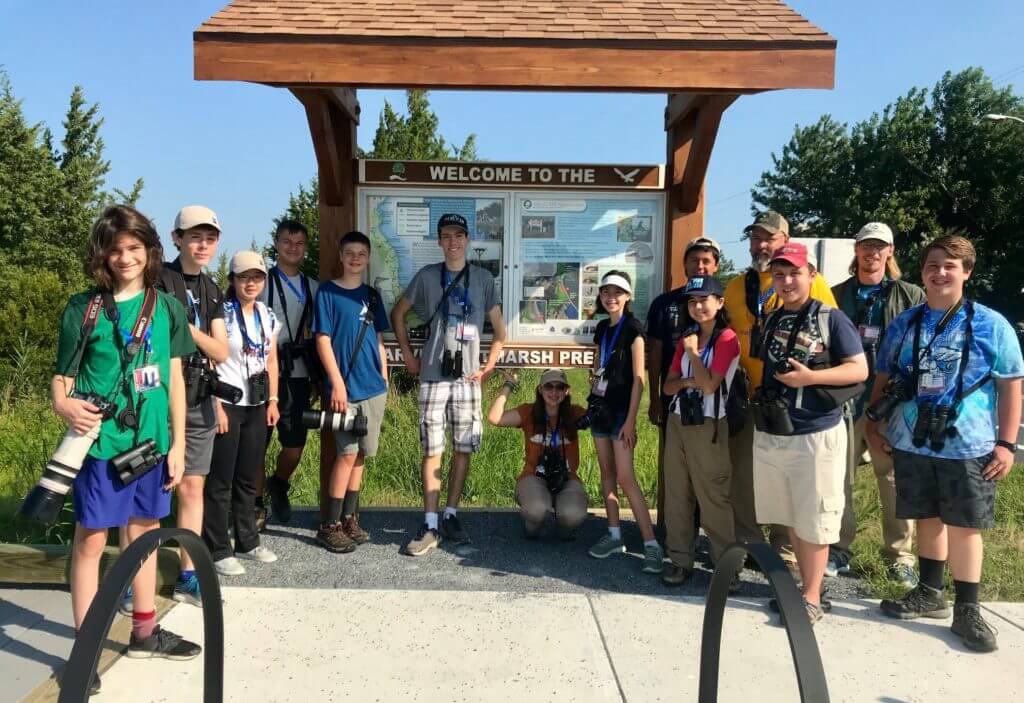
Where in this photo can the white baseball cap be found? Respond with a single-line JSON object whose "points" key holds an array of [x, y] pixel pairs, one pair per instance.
{"points": [[244, 261], [195, 216], [875, 230]]}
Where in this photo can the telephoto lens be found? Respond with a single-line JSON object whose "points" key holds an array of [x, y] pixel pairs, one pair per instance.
{"points": [[224, 391], [44, 502], [348, 421]]}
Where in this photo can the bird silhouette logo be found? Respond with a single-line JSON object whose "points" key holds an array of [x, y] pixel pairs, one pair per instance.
{"points": [[627, 177]]}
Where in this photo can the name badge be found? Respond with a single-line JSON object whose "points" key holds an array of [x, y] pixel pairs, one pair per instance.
{"points": [[467, 332], [146, 378], [870, 333], [931, 383]]}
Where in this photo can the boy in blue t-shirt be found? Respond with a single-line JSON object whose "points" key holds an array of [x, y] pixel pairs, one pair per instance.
{"points": [[950, 371], [349, 325]]}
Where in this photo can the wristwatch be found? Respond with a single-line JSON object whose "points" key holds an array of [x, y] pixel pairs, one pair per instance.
{"points": [[1006, 445]]}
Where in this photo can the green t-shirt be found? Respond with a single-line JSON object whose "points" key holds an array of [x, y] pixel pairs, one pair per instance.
{"points": [[100, 370]]}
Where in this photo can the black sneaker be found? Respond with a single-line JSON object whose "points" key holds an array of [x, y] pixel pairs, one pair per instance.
{"points": [[922, 601], [277, 489], [972, 628], [162, 644], [451, 530]]}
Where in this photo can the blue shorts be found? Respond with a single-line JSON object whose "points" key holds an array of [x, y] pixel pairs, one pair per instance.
{"points": [[101, 501], [610, 432]]}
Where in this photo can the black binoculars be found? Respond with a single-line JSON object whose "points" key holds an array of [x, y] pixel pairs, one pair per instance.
{"points": [[771, 413]]}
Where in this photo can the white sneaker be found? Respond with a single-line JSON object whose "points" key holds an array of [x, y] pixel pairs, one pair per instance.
{"points": [[258, 553], [228, 566]]}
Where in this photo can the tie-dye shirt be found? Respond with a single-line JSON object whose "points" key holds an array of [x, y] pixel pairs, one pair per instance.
{"points": [[995, 352]]}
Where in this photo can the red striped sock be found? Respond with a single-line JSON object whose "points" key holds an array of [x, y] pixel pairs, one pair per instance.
{"points": [[143, 624]]}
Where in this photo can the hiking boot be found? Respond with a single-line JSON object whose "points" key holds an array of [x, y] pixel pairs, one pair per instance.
{"points": [[654, 559], [258, 553], [127, 604], [674, 575], [186, 590], [162, 644], [838, 563], [333, 538], [903, 574], [280, 506], [228, 566], [425, 540], [606, 546], [355, 533], [922, 601], [968, 624], [451, 529]]}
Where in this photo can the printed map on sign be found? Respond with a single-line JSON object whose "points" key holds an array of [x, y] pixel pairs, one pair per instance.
{"points": [[403, 231]]}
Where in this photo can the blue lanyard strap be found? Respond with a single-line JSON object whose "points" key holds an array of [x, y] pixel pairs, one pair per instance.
{"points": [[462, 297], [608, 349], [300, 292], [554, 432], [763, 298], [248, 343], [194, 303]]}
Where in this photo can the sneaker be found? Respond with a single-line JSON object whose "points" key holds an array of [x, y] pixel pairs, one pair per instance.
{"points": [[904, 575], [228, 566], [95, 685], [425, 540], [451, 529], [277, 489], [814, 612], [972, 628], [162, 644], [258, 553], [838, 563], [736, 585], [127, 605], [674, 575], [654, 559], [606, 546], [355, 533], [333, 538], [922, 601], [187, 591]]}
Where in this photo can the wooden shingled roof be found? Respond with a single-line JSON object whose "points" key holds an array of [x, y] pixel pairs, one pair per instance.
{"points": [[768, 21]]}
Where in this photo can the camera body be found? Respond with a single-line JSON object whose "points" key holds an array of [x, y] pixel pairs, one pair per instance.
{"points": [[553, 468], [451, 364], [598, 412], [201, 383], [352, 421], [771, 412], [895, 392], [932, 426], [690, 403], [783, 366]]}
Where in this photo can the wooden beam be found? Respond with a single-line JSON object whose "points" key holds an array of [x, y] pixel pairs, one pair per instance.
{"points": [[708, 118], [319, 114], [345, 100], [46, 563], [376, 63]]}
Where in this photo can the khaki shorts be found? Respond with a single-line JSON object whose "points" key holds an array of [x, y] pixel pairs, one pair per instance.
{"points": [[373, 409], [799, 482]]}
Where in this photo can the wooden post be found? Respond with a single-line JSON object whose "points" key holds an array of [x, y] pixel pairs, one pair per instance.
{"points": [[332, 115]]}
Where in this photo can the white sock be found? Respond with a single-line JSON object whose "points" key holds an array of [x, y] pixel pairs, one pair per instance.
{"points": [[450, 511], [431, 520], [616, 532], [651, 543]]}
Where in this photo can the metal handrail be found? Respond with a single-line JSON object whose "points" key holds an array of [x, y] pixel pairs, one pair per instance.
{"points": [[85, 653], [810, 674]]}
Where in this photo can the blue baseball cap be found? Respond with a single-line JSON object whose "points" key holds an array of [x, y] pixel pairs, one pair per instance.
{"points": [[704, 285], [452, 219]]}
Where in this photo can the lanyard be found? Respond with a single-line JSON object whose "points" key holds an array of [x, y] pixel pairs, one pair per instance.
{"points": [[607, 351], [947, 318], [763, 298], [246, 342], [194, 304], [866, 313], [299, 292], [448, 286], [705, 356], [553, 442]]}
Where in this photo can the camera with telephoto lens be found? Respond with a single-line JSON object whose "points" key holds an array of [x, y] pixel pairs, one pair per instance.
{"points": [[451, 364], [932, 426], [691, 407], [352, 421], [771, 412], [553, 468], [259, 388], [201, 383], [136, 462], [896, 391], [44, 502], [598, 413]]}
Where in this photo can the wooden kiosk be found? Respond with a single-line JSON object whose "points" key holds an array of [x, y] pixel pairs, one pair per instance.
{"points": [[701, 54]]}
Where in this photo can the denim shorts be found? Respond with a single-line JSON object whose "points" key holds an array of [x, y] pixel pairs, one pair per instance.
{"points": [[599, 429], [102, 501]]}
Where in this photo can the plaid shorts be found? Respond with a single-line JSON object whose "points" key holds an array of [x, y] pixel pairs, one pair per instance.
{"points": [[450, 403]]}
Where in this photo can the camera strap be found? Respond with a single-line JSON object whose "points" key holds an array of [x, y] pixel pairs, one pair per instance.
{"points": [[940, 328], [865, 312], [302, 294], [755, 299], [772, 324], [447, 291], [130, 345], [92, 314], [368, 319]]}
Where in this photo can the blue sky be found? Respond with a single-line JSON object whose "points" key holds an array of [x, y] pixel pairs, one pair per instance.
{"points": [[242, 148]]}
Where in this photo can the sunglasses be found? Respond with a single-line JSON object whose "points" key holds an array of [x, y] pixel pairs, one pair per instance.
{"points": [[555, 387]]}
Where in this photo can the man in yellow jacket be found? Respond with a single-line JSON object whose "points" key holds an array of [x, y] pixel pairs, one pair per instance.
{"points": [[748, 300]]}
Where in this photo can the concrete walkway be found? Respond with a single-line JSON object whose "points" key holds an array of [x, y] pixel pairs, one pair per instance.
{"points": [[288, 644], [36, 634]]}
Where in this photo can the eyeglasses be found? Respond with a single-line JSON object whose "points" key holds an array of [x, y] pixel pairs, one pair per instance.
{"points": [[556, 387]]}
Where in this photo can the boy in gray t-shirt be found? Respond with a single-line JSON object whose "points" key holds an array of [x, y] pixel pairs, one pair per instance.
{"points": [[455, 298]]}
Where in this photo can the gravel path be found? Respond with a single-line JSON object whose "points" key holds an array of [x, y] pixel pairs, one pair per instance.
{"points": [[499, 558]]}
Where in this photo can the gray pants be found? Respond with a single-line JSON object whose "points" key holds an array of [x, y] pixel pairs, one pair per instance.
{"points": [[535, 501]]}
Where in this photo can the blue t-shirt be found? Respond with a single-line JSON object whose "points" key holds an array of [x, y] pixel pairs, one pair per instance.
{"points": [[340, 313], [994, 351], [808, 411]]}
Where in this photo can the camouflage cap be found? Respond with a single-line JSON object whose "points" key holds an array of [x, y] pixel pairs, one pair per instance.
{"points": [[769, 221]]}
